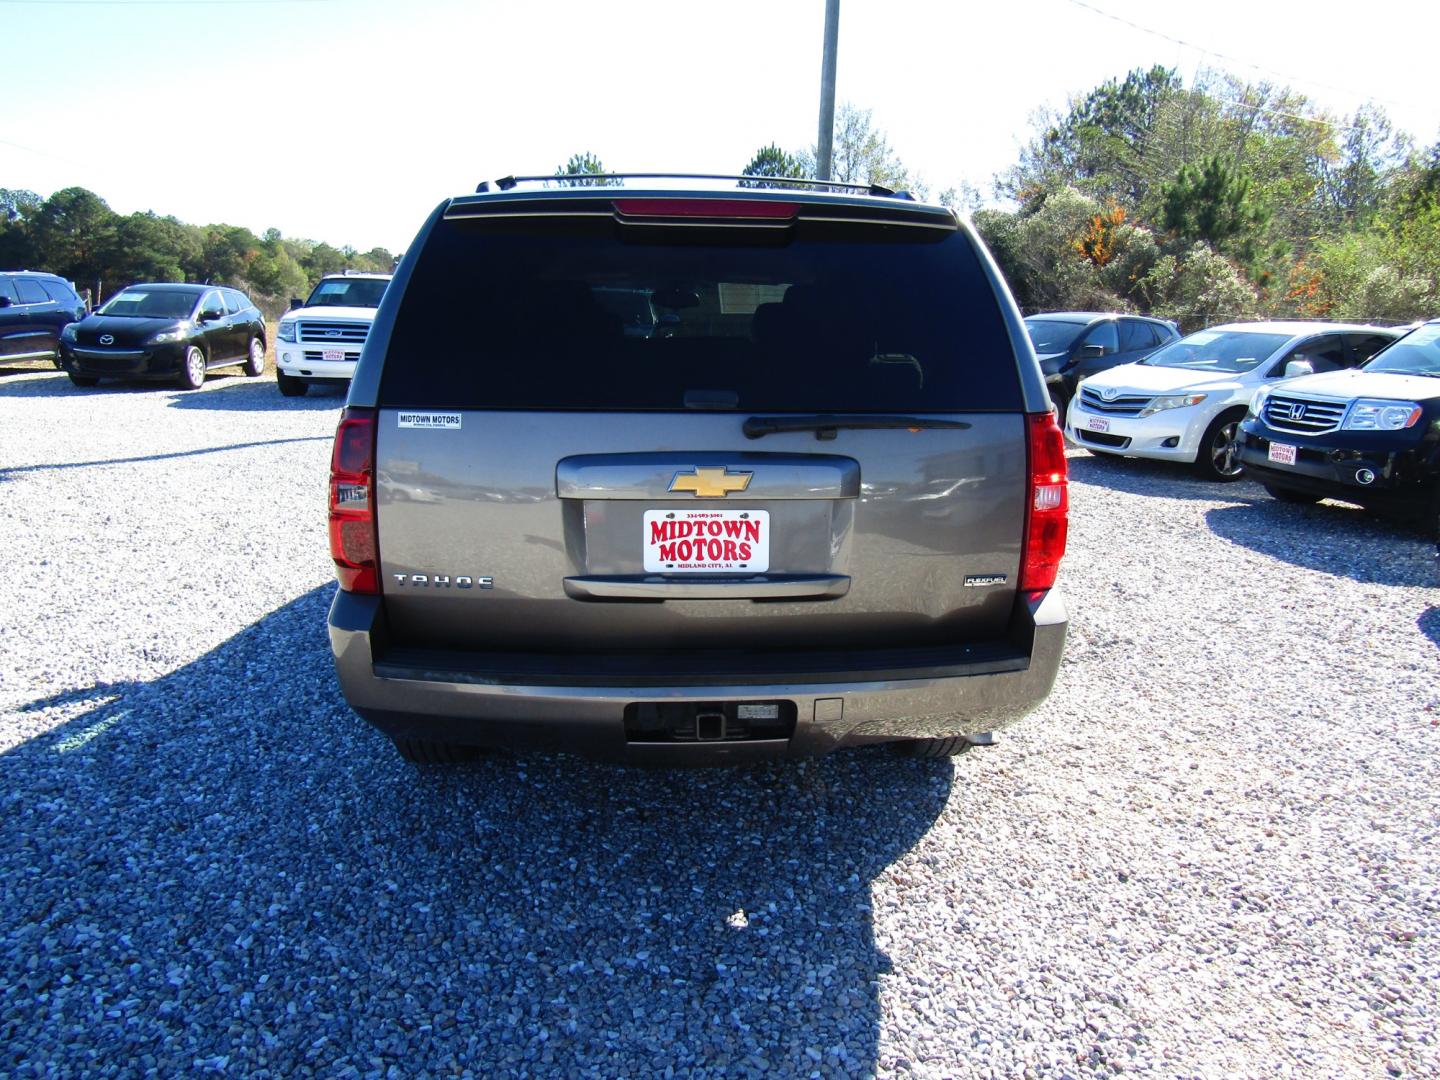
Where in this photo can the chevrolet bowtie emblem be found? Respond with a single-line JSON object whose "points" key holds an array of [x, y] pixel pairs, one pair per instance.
{"points": [[713, 483]]}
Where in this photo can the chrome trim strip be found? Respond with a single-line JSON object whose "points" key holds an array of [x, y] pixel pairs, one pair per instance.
{"points": [[648, 476], [690, 587]]}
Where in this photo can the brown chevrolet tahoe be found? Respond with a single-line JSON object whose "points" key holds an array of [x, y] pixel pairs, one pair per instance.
{"points": [[814, 497]]}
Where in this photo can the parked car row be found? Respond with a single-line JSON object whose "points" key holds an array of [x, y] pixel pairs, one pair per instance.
{"points": [[178, 332], [1310, 409]]}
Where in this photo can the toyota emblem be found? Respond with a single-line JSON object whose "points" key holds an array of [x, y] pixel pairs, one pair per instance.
{"points": [[1109, 393], [107, 339]]}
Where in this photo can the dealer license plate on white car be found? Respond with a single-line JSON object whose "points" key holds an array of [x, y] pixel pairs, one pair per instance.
{"points": [[1095, 423], [1284, 453], [707, 541], [332, 356]]}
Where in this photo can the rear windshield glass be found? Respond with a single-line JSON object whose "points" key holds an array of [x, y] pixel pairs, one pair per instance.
{"points": [[577, 314], [1231, 351]]}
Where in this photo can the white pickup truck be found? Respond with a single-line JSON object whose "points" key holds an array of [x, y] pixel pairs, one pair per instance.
{"points": [[319, 340]]}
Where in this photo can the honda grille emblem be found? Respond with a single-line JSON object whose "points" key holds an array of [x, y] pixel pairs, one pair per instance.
{"points": [[1297, 411], [107, 339]]}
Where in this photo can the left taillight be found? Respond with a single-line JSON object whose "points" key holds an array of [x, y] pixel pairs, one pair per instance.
{"points": [[1047, 509], [352, 503]]}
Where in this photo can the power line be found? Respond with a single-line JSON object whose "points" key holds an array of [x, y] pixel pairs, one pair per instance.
{"points": [[1235, 60], [160, 3]]}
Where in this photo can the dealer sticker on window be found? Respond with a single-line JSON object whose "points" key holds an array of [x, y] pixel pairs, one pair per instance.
{"points": [[707, 541], [437, 420], [1284, 453]]}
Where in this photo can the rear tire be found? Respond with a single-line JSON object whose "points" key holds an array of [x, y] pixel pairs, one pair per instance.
{"points": [[933, 748], [290, 386], [255, 362], [425, 752], [83, 380], [1291, 495], [1219, 458], [192, 369]]}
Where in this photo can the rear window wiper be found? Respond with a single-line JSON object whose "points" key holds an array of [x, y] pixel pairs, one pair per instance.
{"points": [[825, 425]]}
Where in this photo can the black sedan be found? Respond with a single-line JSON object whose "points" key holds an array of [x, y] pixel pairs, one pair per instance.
{"points": [[1073, 344], [165, 331]]}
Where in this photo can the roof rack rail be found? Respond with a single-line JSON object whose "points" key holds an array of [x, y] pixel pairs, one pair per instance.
{"points": [[505, 183]]}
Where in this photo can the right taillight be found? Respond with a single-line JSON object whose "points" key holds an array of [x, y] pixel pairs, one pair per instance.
{"points": [[352, 503], [1047, 503]]}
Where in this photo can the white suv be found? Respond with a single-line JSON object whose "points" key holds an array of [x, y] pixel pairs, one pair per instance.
{"points": [[319, 341], [1185, 401]]}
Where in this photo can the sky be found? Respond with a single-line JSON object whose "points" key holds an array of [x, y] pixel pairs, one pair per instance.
{"points": [[347, 121]]}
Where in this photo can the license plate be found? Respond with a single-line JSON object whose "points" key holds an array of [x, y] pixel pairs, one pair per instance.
{"points": [[1284, 453], [707, 541], [1095, 423], [332, 356]]}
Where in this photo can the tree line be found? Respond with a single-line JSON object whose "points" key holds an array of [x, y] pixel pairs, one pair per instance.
{"points": [[1219, 200], [1205, 203], [75, 234]]}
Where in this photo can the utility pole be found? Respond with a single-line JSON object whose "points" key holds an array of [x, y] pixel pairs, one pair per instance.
{"points": [[825, 146]]}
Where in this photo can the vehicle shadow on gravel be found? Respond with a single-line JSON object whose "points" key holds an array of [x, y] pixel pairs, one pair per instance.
{"points": [[8, 472], [1333, 539], [58, 384], [1429, 624], [1139, 476], [225, 868], [261, 395]]}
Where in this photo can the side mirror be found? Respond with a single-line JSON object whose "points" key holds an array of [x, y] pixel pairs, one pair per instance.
{"points": [[1091, 352], [211, 315], [5, 301], [1299, 367], [296, 302]]}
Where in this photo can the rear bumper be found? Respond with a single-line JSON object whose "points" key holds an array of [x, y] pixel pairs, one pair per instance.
{"points": [[548, 703]]}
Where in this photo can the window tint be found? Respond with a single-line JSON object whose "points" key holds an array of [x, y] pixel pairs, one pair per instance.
{"points": [[59, 292], [543, 315], [1367, 345], [1053, 335], [1105, 336], [235, 302], [1136, 335], [30, 291], [1324, 353], [7, 289], [212, 302], [140, 303]]}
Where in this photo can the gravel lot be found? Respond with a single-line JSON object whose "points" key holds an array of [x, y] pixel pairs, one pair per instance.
{"points": [[1213, 852]]}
